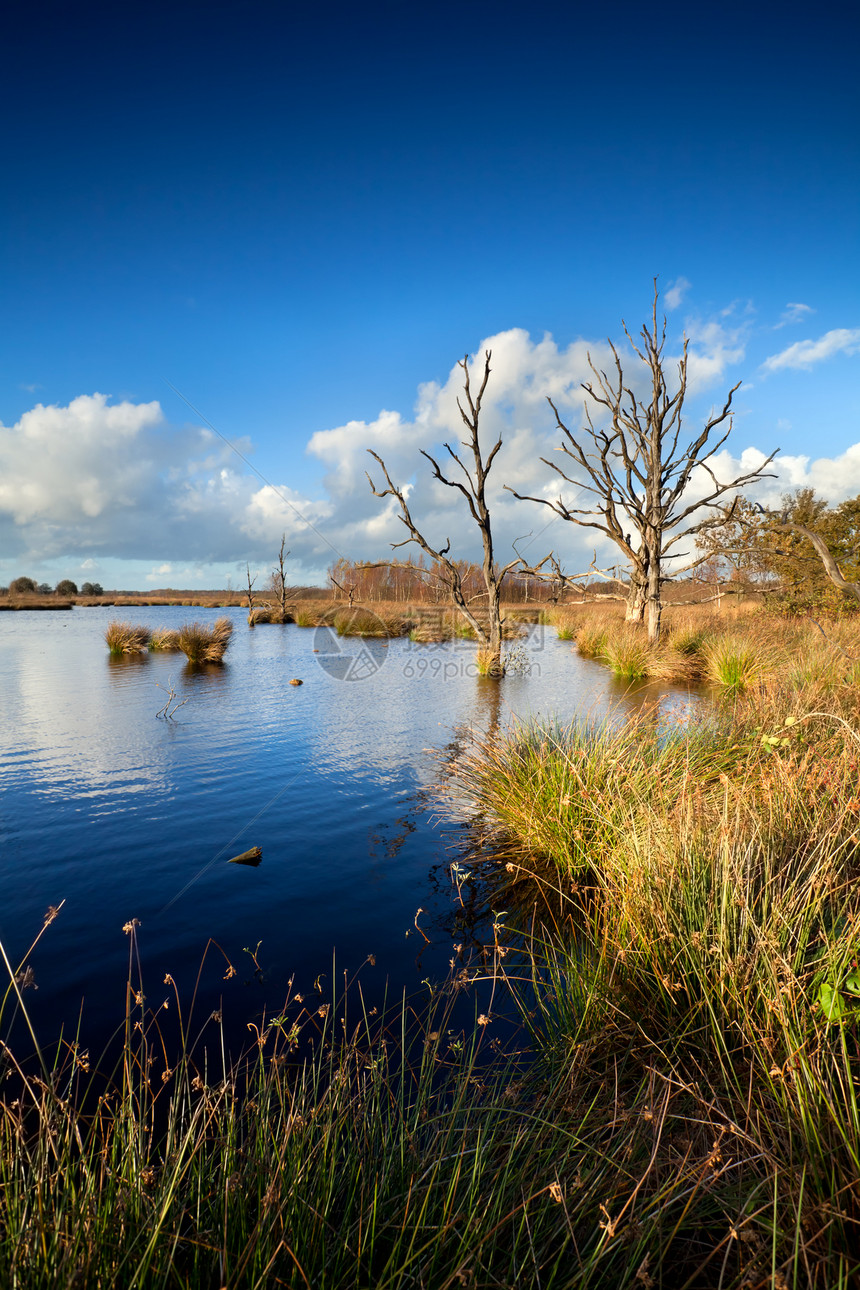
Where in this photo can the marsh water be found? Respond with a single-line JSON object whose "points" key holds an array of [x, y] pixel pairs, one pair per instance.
{"points": [[122, 814]]}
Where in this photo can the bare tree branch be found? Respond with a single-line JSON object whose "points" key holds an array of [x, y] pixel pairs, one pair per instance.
{"points": [[636, 469], [489, 633]]}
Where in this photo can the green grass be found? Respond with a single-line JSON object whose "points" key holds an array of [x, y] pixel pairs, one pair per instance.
{"points": [[715, 903], [734, 663], [626, 653]]}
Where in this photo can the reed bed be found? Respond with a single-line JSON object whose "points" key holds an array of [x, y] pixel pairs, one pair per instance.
{"points": [[201, 643], [736, 650], [711, 944], [127, 638], [262, 614], [366, 623]]}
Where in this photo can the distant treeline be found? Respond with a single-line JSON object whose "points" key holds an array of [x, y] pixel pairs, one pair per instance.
{"points": [[425, 582]]}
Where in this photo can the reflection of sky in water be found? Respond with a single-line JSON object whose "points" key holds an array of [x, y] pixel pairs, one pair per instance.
{"points": [[123, 815]]}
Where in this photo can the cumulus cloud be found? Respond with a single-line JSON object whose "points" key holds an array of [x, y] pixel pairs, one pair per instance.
{"points": [[804, 354], [833, 478], [675, 292], [794, 312], [714, 347], [114, 481], [97, 481]]}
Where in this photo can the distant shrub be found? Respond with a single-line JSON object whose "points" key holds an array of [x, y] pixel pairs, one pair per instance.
{"points": [[65, 587], [45, 589], [92, 589], [22, 587]]}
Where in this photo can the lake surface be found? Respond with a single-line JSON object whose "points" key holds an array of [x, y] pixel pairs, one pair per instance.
{"points": [[124, 815]]}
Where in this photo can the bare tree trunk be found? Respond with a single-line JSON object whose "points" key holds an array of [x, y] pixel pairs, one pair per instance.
{"points": [[474, 491], [635, 612], [654, 606]]}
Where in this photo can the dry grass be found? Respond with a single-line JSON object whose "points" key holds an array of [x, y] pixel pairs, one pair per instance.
{"points": [[127, 638], [740, 648], [165, 640], [201, 643], [710, 946]]}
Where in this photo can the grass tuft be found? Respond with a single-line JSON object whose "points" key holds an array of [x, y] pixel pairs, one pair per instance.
{"points": [[165, 640], [734, 663], [201, 643], [362, 622], [126, 638], [626, 653]]}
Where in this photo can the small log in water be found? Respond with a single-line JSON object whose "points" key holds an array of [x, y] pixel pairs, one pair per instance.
{"points": [[252, 857]]}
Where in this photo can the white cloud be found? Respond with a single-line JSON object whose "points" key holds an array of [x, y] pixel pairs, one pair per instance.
{"points": [[714, 347], [803, 354], [155, 575], [833, 478], [675, 292], [96, 481], [794, 312]]}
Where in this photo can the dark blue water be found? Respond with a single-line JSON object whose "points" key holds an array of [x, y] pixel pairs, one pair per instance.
{"points": [[123, 815]]}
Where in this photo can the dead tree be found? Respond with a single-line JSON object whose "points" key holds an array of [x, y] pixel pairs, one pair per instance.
{"points": [[279, 579], [249, 594], [348, 590], [560, 582], [637, 471], [489, 633]]}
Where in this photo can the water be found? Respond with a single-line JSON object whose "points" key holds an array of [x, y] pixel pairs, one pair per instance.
{"points": [[123, 815]]}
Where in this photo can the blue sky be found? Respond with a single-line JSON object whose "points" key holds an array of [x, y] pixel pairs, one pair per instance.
{"points": [[301, 216]]}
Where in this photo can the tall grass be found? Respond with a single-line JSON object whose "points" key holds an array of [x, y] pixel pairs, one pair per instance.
{"points": [[126, 638], [201, 643], [626, 653], [714, 940], [165, 640], [735, 663], [343, 1152]]}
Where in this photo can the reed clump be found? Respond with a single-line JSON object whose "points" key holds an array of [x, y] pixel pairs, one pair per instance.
{"points": [[201, 643], [309, 617], [262, 614], [626, 653], [363, 622], [735, 662], [165, 640], [127, 638], [489, 662], [591, 640]]}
